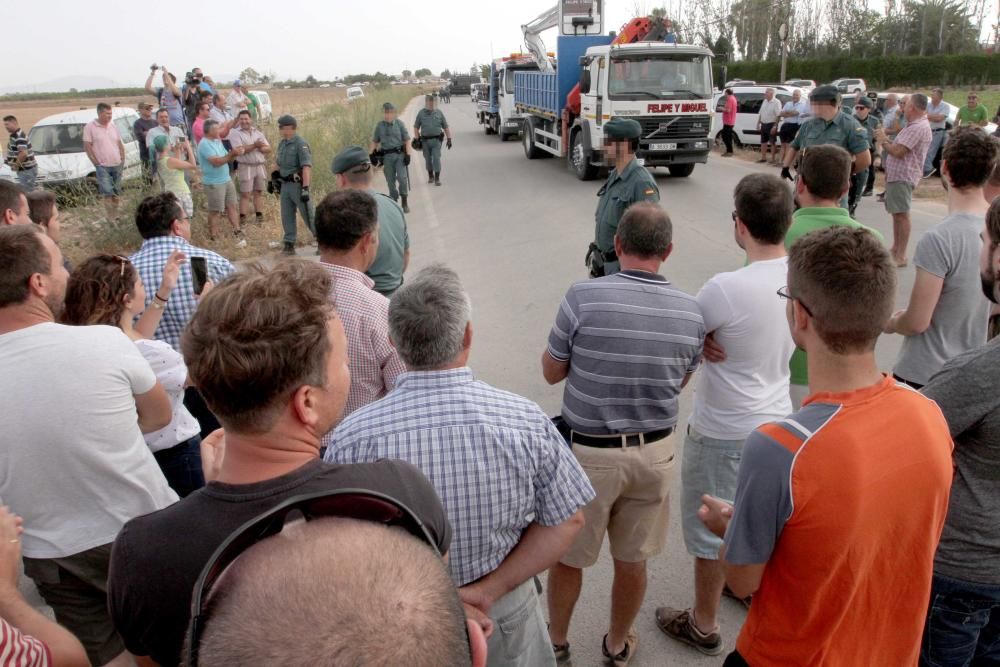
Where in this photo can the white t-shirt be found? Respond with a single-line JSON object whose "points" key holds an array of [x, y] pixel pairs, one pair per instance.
{"points": [[769, 110], [750, 387], [172, 373], [73, 462]]}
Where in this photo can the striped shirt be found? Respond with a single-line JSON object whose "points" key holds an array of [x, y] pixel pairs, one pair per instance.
{"points": [[19, 142], [20, 650], [631, 339], [494, 457]]}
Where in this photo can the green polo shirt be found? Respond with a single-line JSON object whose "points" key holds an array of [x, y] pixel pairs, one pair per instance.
{"points": [[973, 116], [430, 123], [390, 136], [807, 220], [393, 242], [634, 184], [293, 154], [844, 131]]}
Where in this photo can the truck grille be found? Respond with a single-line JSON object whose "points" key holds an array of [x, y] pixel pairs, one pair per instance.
{"points": [[677, 127]]}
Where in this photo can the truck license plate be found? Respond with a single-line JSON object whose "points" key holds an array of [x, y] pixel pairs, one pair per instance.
{"points": [[512, 123], [663, 147]]}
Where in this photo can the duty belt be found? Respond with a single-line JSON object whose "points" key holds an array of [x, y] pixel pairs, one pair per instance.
{"points": [[619, 440], [390, 151], [439, 137], [610, 256]]}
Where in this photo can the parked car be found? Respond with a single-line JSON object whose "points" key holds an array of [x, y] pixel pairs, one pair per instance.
{"points": [[324, 85], [806, 85], [355, 93], [739, 82], [265, 112], [340, 84], [57, 141], [748, 99], [850, 85]]}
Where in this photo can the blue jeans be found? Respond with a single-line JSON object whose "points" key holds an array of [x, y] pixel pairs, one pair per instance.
{"points": [[109, 181], [26, 178], [936, 138], [963, 625], [181, 465]]}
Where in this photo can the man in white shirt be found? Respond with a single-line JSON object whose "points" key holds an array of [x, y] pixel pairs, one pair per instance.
{"points": [[75, 466], [767, 124], [747, 388], [793, 114], [937, 116]]}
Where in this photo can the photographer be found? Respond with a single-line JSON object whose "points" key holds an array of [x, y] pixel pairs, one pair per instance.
{"points": [[168, 96], [194, 85]]}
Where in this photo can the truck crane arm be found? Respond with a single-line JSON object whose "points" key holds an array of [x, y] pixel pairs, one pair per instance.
{"points": [[532, 36]]}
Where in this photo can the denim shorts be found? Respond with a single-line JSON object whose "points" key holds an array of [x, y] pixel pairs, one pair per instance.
{"points": [[708, 466], [109, 181]]}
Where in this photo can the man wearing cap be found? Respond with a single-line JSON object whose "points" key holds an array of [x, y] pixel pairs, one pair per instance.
{"points": [[628, 182], [353, 169], [294, 160], [863, 181], [393, 143], [830, 125], [143, 124], [430, 127]]}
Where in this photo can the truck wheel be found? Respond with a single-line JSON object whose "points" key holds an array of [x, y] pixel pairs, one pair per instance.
{"points": [[497, 129], [681, 170], [531, 151], [579, 160], [504, 136]]}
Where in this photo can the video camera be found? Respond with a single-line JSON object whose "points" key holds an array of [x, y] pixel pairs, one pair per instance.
{"points": [[191, 79]]}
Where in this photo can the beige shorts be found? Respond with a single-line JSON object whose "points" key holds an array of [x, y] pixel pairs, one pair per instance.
{"points": [[632, 504], [898, 196], [252, 177], [220, 196]]}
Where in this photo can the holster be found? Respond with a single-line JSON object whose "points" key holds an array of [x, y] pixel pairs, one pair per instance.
{"points": [[274, 183], [417, 144], [594, 261]]}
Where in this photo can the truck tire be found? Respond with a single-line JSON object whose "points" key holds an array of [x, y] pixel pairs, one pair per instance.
{"points": [[531, 151], [681, 170], [497, 127], [578, 159], [504, 136]]}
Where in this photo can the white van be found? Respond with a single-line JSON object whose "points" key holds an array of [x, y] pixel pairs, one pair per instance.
{"points": [[748, 99], [355, 93], [58, 145], [265, 111]]}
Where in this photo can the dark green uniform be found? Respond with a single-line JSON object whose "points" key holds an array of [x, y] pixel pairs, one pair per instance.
{"points": [[634, 184], [844, 131], [393, 244], [864, 180], [292, 155], [391, 139], [431, 124]]}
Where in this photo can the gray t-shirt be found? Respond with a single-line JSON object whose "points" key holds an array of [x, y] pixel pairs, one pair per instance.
{"points": [[966, 392], [949, 250]]}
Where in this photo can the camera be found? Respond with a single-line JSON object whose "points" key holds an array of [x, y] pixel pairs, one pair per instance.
{"points": [[190, 79], [154, 67]]}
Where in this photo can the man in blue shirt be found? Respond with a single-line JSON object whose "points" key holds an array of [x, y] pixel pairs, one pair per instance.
{"points": [[220, 191]]}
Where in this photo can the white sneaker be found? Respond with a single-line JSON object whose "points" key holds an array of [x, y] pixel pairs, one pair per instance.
{"points": [[242, 243], [274, 245]]}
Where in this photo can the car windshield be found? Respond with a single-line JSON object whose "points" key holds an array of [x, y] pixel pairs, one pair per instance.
{"points": [[661, 76], [56, 139]]}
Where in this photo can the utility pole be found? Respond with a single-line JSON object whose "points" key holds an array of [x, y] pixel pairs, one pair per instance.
{"points": [[783, 36]]}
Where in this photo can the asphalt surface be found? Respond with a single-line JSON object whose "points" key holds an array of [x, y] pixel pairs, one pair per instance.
{"points": [[516, 232]]}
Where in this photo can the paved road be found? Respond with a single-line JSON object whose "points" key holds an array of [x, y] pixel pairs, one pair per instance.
{"points": [[516, 231]]}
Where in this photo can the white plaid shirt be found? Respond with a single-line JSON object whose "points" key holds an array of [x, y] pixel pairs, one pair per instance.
{"points": [[495, 459], [373, 360], [149, 262]]}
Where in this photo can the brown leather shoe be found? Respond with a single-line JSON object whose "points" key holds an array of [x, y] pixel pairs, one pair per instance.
{"points": [[679, 624], [622, 659]]}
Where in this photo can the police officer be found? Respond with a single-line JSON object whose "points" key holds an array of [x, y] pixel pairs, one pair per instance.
{"points": [[829, 125], [391, 147], [629, 182], [294, 159], [863, 181], [431, 127]]}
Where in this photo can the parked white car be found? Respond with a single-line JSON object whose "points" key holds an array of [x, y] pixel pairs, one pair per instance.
{"points": [[355, 93], [806, 85], [851, 85], [340, 84], [748, 99], [57, 141], [265, 112]]}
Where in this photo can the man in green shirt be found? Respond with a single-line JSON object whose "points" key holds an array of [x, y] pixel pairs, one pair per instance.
{"points": [[393, 144], [353, 169], [823, 180], [972, 113], [430, 127], [294, 158]]}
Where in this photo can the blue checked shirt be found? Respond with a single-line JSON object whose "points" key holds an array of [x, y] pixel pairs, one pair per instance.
{"points": [[495, 459], [149, 262]]}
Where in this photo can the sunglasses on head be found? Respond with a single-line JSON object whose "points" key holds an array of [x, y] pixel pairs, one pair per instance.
{"points": [[360, 504]]}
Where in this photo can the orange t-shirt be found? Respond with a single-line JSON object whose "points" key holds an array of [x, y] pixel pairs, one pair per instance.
{"points": [[844, 501]]}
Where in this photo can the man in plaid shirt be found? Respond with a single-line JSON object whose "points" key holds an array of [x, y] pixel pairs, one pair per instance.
{"points": [[347, 234], [512, 489]]}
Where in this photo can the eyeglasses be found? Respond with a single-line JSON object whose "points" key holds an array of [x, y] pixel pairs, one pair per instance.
{"points": [[358, 504], [785, 293]]}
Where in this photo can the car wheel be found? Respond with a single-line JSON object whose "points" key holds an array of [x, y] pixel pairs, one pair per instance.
{"points": [[681, 170]]}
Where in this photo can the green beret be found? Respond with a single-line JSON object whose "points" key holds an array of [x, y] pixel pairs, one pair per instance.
{"points": [[825, 93], [350, 157], [388, 107], [865, 101], [621, 129], [287, 120]]}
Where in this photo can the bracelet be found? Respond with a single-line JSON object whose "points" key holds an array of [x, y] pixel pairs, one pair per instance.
{"points": [[157, 296]]}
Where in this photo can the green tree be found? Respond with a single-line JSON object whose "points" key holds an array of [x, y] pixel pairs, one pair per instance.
{"points": [[484, 72], [407, 74], [250, 76], [422, 72], [310, 81]]}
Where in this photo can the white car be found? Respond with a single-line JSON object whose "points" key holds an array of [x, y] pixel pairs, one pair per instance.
{"points": [[57, 141], [851, 85], [355, 93], [748, 99], [324, 85], [265, 112], [340, 84], [807, 85]]}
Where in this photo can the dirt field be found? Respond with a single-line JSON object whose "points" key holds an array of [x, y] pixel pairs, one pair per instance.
{"points": [[299, 100]]}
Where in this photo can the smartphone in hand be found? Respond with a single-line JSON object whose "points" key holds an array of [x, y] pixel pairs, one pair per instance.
{"points": [[199, 274]]}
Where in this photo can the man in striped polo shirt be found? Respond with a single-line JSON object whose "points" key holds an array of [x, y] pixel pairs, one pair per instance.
{"points": [[626, 344], [20, 158]]}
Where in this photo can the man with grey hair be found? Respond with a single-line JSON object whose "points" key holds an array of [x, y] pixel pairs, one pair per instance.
{"points": [[511, 487], [626, 344], [767, 126]]}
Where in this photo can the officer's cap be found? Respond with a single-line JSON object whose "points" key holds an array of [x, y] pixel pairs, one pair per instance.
{"points": [[622, 129], [826, 93], [287, 120], [350, 157], [388, 106], [865, 101]]}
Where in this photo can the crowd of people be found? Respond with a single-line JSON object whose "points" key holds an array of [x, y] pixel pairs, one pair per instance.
{"points": [[167, 412]]}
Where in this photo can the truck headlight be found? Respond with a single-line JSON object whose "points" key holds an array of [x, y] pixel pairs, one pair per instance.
{"points": [[700, 144]]}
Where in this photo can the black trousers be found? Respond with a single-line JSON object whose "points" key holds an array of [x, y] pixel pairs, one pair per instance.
{"points": [[199, 410], [734, 659], [727, 137]]}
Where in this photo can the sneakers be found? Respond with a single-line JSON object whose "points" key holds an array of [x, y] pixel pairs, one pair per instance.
{"points": [[241, 240], [867, 193], [679, 624], [288, 249], [930, 173], [622, 659], [562, 653], [437, 178]]}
